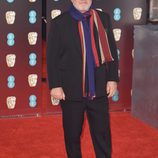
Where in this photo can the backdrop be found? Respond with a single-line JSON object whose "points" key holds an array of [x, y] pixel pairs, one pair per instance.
{"points": [[21, 40], [21, 43]]}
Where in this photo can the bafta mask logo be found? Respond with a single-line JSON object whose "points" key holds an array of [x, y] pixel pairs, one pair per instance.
{"points": [[117, 34], [32, 38], [32, 1], [10, 17], [55, 101], [10, 60], [131, 92], [137, 13], [55, 13], [32, 80], [11, 102]]}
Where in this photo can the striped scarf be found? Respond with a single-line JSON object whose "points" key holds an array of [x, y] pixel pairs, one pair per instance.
{"points": [[90, 55]]}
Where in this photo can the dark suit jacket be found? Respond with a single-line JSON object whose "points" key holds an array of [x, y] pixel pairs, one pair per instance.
{"points": [[64, 57]]}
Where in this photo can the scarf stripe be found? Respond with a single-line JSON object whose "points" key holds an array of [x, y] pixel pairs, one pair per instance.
{"points": [[100, 46], [82, 38], [93, 41], [104, 44]]}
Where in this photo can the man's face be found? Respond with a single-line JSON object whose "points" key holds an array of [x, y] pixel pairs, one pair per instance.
{"points": [[82, 5]]}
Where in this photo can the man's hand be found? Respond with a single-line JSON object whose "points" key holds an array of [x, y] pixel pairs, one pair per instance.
{"points": [[57, 93], [111, 88]]}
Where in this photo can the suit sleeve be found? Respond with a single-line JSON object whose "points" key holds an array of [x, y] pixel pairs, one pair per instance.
{"points": [[113, 65], [53, 52]]}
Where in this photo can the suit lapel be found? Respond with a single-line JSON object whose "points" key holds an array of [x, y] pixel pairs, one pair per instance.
{"points": [[76, 36]]}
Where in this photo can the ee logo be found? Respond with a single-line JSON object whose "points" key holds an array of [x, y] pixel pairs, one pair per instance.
{"points": [[32, 16], [117, 14]]}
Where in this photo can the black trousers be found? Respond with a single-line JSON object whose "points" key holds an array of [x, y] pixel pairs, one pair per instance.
{"points": [[98, 118]]}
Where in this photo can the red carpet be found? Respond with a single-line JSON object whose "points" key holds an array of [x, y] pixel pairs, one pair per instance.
{"points": [[42, 137]]}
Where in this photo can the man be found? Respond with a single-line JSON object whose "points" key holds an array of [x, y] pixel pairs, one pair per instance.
{"points": [[82, 69]]}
